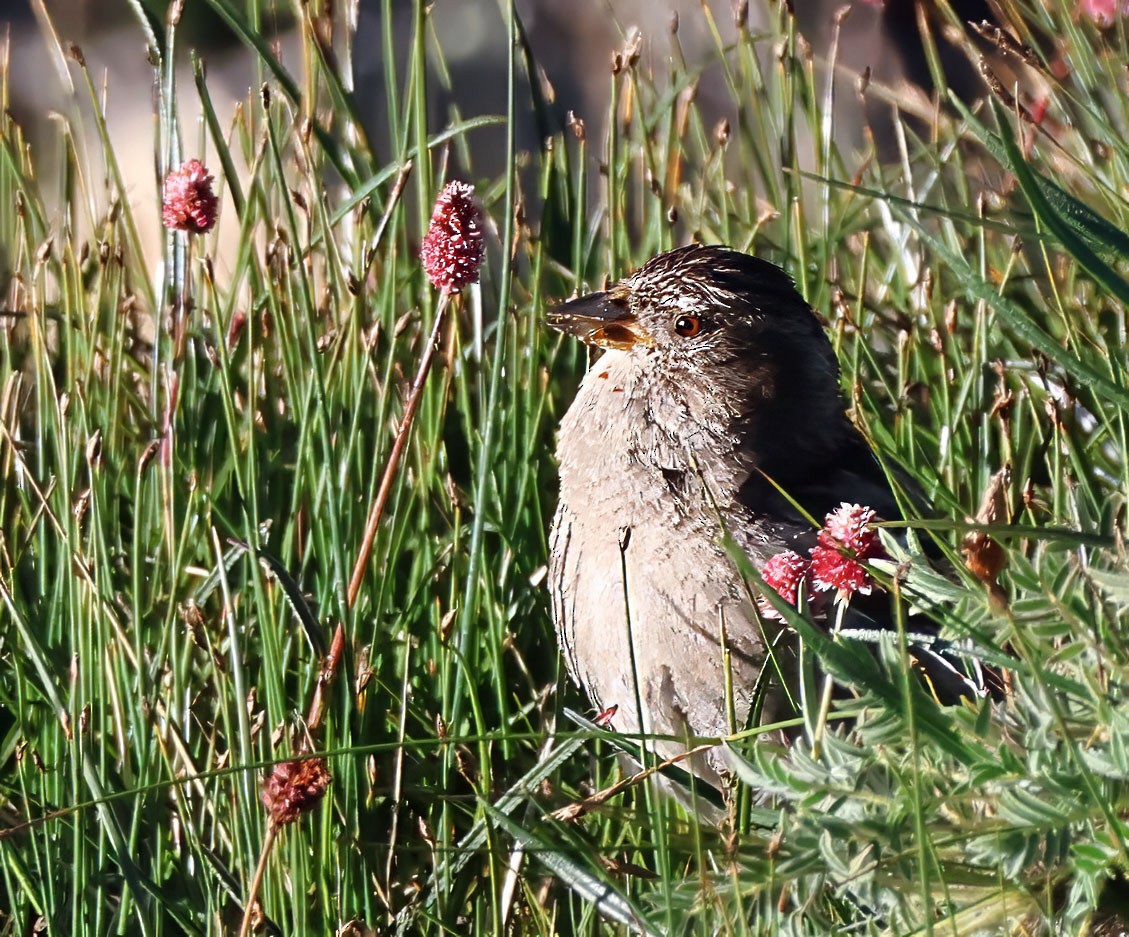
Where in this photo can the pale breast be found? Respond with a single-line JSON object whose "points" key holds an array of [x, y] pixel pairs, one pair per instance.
{"points": [[650, 611]]}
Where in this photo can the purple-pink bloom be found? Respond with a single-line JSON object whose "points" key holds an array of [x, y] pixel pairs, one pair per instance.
{"points": [[848, 535], [453, 248], [784, 573], [189, 204], [1103, 13], [851, 527], [832, 570]]}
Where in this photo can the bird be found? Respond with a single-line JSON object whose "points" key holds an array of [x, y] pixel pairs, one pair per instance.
{"points": [[714, 408]]}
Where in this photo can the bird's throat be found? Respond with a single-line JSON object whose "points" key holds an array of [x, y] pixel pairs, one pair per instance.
{"points": [[624, 439]]}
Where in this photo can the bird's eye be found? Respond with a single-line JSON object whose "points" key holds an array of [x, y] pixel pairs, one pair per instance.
{"points": [[688, 326]]}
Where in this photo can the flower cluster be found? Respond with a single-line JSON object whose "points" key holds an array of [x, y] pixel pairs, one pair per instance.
{"points": [[785, 573], [848, 537], [189, 204], [453, 248], [294, 788]]}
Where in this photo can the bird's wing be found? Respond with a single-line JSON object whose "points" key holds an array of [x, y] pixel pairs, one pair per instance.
{"points": [[779, 500], [847, 471]]}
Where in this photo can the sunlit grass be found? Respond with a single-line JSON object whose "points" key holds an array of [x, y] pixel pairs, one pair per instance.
{"points": [[178, 521]]}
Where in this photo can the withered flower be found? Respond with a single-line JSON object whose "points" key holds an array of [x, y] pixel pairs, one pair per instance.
{"points": [[294, 788]]}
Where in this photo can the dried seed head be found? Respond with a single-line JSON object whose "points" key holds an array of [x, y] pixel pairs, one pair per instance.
{"points": [[721, 132], [453, 249], [294, 788], [983, 555], [741, 14], [576, 125], [189, 202]]}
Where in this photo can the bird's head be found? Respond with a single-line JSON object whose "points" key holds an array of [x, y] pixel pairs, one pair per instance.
{"points": [[714, 322]]}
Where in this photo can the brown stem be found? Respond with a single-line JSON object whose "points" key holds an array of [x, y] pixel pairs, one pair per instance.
{"points": [[330, 667], [257, 881], [377, 510], [393, 201], [579, 808]]}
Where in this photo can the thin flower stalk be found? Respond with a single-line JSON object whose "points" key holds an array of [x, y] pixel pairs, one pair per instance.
{"points": [[376, 512], [292, 790], [828, 689], [451, 254]]}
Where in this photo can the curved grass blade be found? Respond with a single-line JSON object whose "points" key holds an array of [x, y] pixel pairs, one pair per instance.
{"points": [[634, 750], [601, 893], [298, 604], [214, 128], [1057, 224], [363, 190], [1102, 236], [151, 26], [976, 287], [1027, 233], [335, 152]]}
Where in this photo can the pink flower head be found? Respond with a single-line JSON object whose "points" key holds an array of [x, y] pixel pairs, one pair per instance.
{"points": [[832, 570], [784, 573], [851, 527], [848, 535], [1103, 13], [453, 248], [189, 202], [294, 788]]}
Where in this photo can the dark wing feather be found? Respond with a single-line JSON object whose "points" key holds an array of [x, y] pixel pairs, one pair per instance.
{"points": [[852, 474]]}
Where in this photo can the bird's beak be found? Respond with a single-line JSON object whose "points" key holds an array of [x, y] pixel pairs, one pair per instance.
{"points": [[603, 319]]}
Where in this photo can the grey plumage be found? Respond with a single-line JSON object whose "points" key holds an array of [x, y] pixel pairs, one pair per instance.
{"points": [[716, 374]]}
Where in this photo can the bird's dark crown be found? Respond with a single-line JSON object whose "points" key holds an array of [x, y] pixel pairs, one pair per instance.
{"points": [[692, 304], [734, 297], [713, 276]]}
